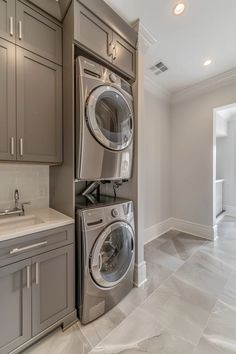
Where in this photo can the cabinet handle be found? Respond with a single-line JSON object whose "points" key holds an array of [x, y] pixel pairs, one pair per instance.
{"points": [[37, 273], [12, 146], [26, 248], [114, 52], [28, 277], [20, 29], [11, 26], [110, 49], [21, 147]]}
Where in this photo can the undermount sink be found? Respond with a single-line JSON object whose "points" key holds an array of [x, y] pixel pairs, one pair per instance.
{"points": [[14, 223]]}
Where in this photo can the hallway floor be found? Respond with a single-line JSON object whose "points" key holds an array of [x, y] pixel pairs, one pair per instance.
{"points": [[187, 305]]}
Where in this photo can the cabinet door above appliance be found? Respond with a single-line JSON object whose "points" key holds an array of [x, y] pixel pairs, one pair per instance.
{"points": [[124, 55], [92, 33]]}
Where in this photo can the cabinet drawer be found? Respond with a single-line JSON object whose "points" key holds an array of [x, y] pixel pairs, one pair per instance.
{"points": [[38, 34], [92, 33], [33, 244]]}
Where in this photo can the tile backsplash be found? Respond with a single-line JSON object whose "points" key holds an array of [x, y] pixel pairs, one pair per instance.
{"points": [[32, 181]]}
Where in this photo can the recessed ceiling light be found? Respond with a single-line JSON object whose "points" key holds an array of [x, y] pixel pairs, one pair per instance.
{"points": [[179, 8], [207, 62]]}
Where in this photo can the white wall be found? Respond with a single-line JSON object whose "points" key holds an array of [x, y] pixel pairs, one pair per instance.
{"points": [[192, 153], [226, 164], [156, 160], [32, 182]]}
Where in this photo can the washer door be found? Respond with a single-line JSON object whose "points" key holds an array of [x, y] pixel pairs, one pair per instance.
{"points": [[112, 254], [110, 118]]}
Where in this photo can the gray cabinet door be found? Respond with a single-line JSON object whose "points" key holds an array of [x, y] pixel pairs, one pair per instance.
{"points": [[38, 34], [7, 19], [15, 305], [52, 287], [39, 108], [7, 101], [92, 33], [124, 55]]}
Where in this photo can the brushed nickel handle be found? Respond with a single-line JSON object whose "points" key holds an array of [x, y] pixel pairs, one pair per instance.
{"points": [[28, 277], [20, 29], [11, 26], [26, 248], [12, 146], [37, 273], [114, 52], [110, 49], [21, 147]]}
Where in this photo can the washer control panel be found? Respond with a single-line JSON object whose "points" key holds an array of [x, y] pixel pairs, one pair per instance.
{"points": [[113, 77]]}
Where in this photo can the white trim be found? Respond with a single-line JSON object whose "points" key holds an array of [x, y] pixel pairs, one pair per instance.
{"points": [[157, 230], [230, 210], [208, 232], [213, 83], [140, 274], [146, 38], [156, 89]]}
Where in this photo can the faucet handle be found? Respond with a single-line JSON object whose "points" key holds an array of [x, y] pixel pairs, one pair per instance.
{"points": [[23, 206]]}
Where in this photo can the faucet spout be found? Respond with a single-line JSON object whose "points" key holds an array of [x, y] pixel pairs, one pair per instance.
{"points": [[16, 198]]}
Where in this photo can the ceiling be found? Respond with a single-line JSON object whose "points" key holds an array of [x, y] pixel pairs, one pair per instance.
{"points": [[205, 30]]}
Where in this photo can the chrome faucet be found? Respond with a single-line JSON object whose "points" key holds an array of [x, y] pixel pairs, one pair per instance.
{"points": [[16, 210]]}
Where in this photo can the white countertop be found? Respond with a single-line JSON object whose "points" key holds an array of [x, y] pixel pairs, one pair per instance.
{"points": [[34, 221]]}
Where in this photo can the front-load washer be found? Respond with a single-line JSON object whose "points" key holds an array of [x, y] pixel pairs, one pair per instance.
{"points": [[104, 123], [105, 255]]}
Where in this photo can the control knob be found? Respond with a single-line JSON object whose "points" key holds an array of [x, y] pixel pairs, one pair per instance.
{"points": [[115, 213], [113, 78]]}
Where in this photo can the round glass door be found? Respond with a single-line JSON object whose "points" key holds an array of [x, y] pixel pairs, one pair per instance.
{"points": [[112, 254], [110, 118]]}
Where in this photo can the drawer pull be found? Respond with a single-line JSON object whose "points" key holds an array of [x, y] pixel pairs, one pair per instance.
{"points": [[26, 248], [12, 146], [21, 147]]}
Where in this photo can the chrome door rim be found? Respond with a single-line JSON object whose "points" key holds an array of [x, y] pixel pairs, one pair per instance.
{"points": [[92, 122], [95, 254]]}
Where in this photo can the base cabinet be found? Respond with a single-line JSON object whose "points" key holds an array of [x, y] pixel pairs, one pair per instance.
{"points": [[52, 287], [37, 292], [15, 305]]}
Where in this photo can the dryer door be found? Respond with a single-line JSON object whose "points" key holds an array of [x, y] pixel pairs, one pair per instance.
{"points": [[110, 117], [112, 254]]}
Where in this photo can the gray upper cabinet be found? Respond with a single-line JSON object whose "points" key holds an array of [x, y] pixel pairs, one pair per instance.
{"points": [[7, 19], [7, 101], [124, 56], [39, 108], [38, 34], [15, 305], [52, 287], [92, 33]]}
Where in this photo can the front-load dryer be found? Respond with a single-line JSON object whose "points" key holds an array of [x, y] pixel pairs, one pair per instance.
{"points": [[105, 255], [104, 123]]}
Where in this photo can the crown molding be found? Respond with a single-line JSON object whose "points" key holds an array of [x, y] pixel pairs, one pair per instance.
{"points": [[156, 89], [202, 87], [146, 38]]}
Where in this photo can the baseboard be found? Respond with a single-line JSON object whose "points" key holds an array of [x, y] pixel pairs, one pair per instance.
{"points": [[140, 274], [230, 210], [157, 230], [203, 231]]}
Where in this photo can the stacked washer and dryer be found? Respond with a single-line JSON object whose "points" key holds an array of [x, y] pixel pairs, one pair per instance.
{"points": [[104, 152]]}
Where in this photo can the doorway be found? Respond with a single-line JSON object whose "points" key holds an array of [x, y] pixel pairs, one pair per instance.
{"points": [[224, 162]]}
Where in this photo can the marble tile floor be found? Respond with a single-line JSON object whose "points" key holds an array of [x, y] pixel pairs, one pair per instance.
{"points": [[187, 305]]}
